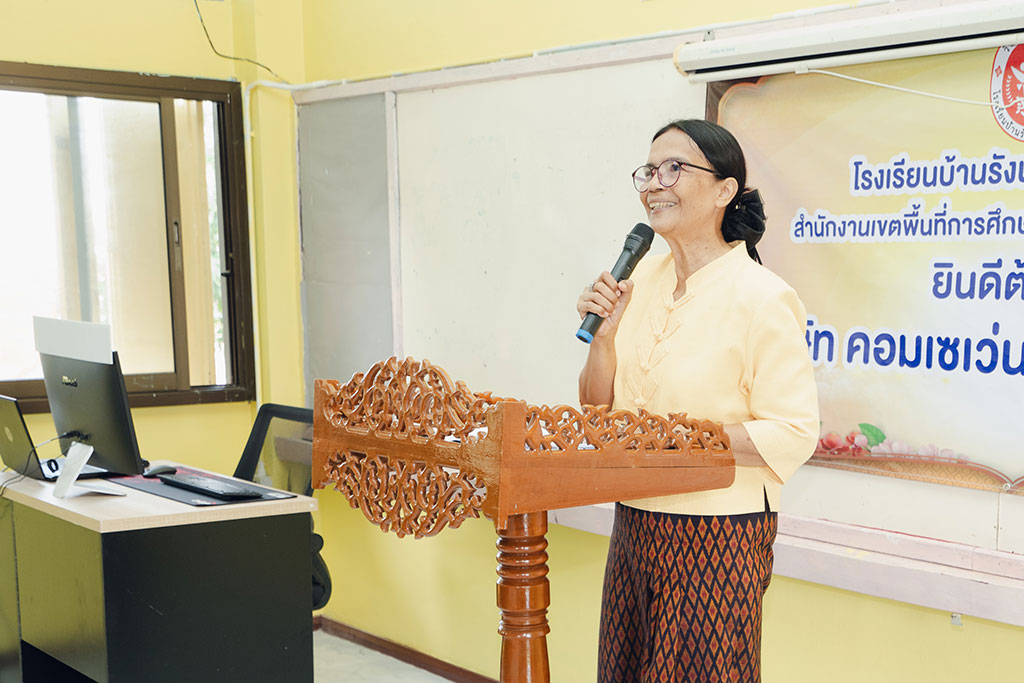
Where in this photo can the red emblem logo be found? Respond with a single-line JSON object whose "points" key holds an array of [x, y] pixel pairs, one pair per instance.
{"points": [[1007, 89]]}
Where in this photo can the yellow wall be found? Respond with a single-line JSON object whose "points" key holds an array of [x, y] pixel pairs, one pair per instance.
{"points": [[437, 595], [356, 40], [815, 633]]}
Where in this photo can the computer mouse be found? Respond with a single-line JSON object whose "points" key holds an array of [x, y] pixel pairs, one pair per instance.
{"points": [[159, 469]]}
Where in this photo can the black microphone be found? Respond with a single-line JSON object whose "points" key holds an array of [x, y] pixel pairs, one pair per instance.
{"points": [[638, 242]]}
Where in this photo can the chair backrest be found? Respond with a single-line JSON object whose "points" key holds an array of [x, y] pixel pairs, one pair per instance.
{"points": [[279, 453], [279, 450]]}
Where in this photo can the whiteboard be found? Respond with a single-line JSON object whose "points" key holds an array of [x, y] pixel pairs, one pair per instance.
{"points": [[515, 194], [346, 286]]}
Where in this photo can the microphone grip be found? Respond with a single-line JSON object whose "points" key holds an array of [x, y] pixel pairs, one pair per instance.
{"points": [[638, 242], [622, 269], [591, 322]]}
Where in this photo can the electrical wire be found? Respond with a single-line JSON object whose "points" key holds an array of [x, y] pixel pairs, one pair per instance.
{"points": [[28, 460], [909, 90], [221, 54], [248, 134]]}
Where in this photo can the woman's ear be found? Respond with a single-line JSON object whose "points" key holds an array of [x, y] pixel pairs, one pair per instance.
{"points": [[727, 189]]}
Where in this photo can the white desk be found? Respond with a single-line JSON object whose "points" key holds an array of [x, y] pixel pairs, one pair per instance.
{"points": [[141, 587]]}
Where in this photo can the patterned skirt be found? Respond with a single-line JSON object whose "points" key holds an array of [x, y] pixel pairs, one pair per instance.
{"points": [[682, 597]]}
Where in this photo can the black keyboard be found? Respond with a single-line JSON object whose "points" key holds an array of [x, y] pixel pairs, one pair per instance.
{"points": [[209, 486]]}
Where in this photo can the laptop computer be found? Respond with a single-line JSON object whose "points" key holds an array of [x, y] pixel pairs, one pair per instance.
{"points": [[18, 452]]}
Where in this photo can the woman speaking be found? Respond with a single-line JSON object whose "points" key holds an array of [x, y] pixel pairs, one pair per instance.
{"points": [[703, 330]]}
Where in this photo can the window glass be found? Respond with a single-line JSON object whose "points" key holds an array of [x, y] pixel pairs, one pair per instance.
{"points": [[122, 201], [199, 172], [82, 206]]}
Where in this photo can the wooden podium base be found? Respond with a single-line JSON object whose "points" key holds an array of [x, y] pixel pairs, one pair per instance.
{"points": [[523, 598]]}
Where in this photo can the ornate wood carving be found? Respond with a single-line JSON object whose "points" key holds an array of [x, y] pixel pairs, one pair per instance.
{"points": [[417, 452], [406, 497], [564, 428], [407, 398], [400, 429]]}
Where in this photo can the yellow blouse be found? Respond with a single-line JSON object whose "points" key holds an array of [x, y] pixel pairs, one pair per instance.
{"points": [[731, 349]]}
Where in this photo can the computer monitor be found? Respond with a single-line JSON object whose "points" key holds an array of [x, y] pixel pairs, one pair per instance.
{"points": [[89, 397]]}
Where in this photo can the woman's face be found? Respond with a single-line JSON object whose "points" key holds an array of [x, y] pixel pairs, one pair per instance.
{"points": [[696, 200]]}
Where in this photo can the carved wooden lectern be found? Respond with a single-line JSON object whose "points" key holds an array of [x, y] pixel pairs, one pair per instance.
{"points": [[416, 453]]}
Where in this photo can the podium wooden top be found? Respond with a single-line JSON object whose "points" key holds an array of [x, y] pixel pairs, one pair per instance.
{"points": [[138, 509], [418, 452]]}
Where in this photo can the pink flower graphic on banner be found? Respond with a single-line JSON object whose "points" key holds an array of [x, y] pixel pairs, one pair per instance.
{"points": [[870, 440]]}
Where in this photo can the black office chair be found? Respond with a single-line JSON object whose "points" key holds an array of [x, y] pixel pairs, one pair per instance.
{"points": [[279, 453]]}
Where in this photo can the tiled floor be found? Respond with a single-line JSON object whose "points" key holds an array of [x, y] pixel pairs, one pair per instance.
{"points": [[337, 659]]}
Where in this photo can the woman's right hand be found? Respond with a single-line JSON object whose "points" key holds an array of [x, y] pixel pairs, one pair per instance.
{"points": [[608, 299]]}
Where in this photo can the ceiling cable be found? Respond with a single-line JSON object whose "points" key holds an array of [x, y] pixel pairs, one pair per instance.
{"points": [[220, 54], [908, 90]]}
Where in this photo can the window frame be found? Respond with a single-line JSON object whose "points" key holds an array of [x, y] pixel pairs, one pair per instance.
{"points": [[162, 389]]}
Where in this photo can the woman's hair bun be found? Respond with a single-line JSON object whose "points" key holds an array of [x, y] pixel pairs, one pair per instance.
{"points": [[744, 220]]}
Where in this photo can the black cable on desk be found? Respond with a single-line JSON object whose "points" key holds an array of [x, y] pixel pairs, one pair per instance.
{"points": [[28, 461]]}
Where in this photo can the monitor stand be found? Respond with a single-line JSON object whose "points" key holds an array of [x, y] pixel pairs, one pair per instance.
{"points": [[74, 461]]}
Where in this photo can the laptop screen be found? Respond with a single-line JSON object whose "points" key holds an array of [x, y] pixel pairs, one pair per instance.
{"points": [[15, 443]]}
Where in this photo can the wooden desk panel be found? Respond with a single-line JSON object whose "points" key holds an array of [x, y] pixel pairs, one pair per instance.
{"points": [[60, 589], [9, 633], [142, 588]]}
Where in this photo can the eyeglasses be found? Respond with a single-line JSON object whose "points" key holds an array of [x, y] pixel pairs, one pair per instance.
{"points": [[668, 173]]}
